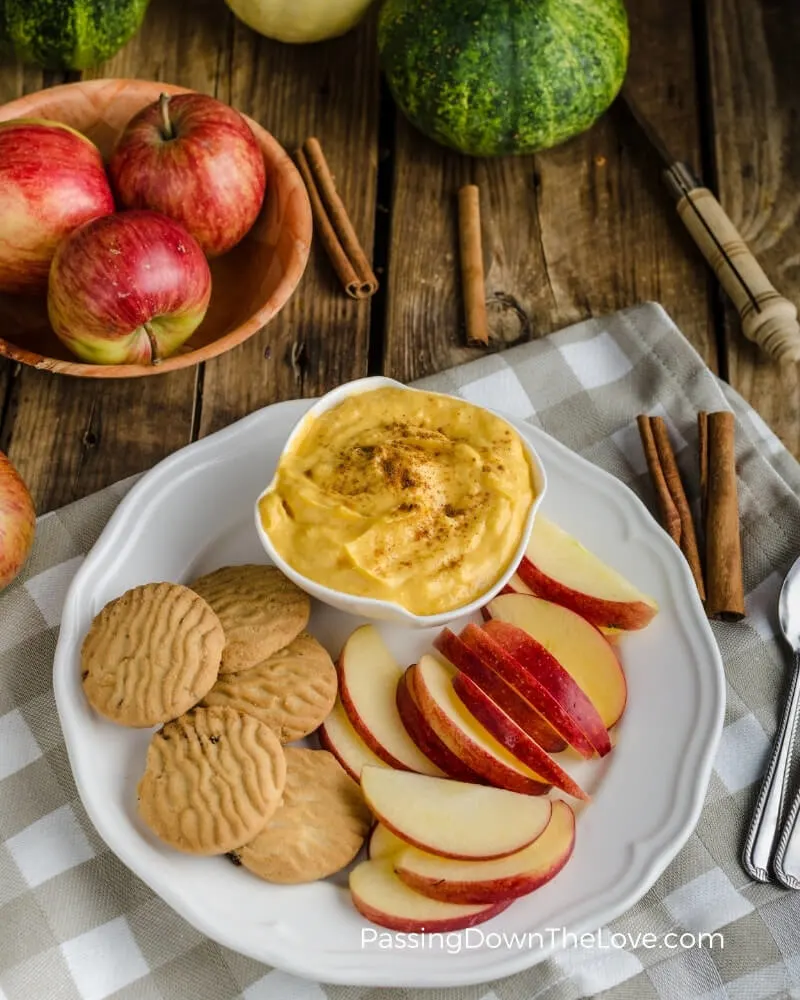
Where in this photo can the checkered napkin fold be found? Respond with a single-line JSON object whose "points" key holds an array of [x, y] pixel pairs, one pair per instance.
{"points": [[75, 924]]}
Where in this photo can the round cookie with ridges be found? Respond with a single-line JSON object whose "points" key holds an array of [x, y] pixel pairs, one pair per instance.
{"points": [[318, 829], [213, 779], [151, 655], [260, 609], [292, 691]]}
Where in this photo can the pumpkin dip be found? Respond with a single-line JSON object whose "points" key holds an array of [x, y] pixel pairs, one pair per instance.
{"points": [[402, 496]]}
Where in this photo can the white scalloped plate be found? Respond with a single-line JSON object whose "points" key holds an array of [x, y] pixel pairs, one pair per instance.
{"points": [[194, 512]]}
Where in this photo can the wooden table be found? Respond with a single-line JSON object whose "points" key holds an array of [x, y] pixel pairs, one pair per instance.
{"points": [[578, 231]]}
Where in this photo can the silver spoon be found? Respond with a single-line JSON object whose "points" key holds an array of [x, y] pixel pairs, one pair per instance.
{"points": [[765, 824]]}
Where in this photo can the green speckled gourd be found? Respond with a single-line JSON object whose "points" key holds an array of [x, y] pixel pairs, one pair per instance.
{"points": [[68, 34], [492, 77]]}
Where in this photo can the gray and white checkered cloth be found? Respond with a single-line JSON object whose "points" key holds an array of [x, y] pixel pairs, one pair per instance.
{"points": [[75, 924]]}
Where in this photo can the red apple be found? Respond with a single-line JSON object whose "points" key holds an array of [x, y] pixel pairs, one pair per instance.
{"points": [[128, 289], [52, 180], [336, 734], [459, 730], [17, 521], [539, 662], [196, 160], [558, 568], [380, 896], [426, 739], [453, 819], [368, 677], [487, 882], [578, 646], [512, 737], [529, 685], [467, 662]]}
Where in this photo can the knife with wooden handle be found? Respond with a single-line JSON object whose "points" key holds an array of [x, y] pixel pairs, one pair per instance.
{"points": [[768, 319]]}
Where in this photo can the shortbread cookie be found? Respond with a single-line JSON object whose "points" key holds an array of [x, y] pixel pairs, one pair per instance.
{"points": [[213, 779], [260, 609], [151, 654], [318, 829], [292, 691]]}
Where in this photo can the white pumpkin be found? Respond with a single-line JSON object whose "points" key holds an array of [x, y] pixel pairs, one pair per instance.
{"points": [[299, 20]]}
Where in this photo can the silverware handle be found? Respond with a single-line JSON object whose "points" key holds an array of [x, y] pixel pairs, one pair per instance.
{"points": [[786, 863], [764, 826], [767, 318]]}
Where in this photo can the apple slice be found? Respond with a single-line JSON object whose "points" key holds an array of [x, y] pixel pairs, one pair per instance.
{"points": [[492, 881], [424, 737], [528, 684], [368, 676], [577, 645], [466, 737], [383, 843], [516, 585], [541, 664], [455, 819], [558, 568], [380, 896], [514, 739], [337, 735], [522, 712]]}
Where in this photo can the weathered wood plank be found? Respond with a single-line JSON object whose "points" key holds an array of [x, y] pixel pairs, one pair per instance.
{"points": [[69, 437], [320, 338], [15, 80], [754, 91], [577, 231]]}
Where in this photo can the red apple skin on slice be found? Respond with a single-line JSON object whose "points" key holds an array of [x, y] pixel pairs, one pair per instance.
{"points": [[467, 662], [617, 616], [465, 736], [492, 881], [558, 568], [541, 664], [516, 585], [337, 735], [499, 659], [424, 737], [380, 896], [577, 645], [368, 676], [516, 741], [454, 819]]}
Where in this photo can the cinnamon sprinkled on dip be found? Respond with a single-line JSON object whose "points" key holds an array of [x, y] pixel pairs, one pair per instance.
{"points": [[402, 496]]}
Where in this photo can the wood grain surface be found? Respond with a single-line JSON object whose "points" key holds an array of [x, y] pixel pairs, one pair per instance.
{"points": [[574, 232], [577, 231], [755, 99], [320, 338]]}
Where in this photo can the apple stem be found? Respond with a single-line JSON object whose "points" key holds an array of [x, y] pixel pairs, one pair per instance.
{"points": [[167, 130], [154, 358]]}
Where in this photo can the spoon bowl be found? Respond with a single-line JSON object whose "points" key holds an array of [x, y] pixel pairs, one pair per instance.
{"points": [[789, 606]]}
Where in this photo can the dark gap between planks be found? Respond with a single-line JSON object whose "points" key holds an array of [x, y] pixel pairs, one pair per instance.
{"points": [[708, 166], [378, 307], [225, 60]]}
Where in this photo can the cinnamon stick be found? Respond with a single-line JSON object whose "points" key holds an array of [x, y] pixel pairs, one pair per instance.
{"points": [[702, 446], [668, 512], [724, 574], [673, 503], [672, 475], [333, 223], [472, 277]]}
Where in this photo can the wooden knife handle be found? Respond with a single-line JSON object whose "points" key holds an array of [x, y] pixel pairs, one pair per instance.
{"points": [[767, 318]]}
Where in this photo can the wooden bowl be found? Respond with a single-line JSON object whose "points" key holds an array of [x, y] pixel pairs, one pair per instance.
{"points": [[251, 283]]}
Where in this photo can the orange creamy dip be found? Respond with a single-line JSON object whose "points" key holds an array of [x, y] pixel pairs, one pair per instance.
{"points": [[402, 496]]}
